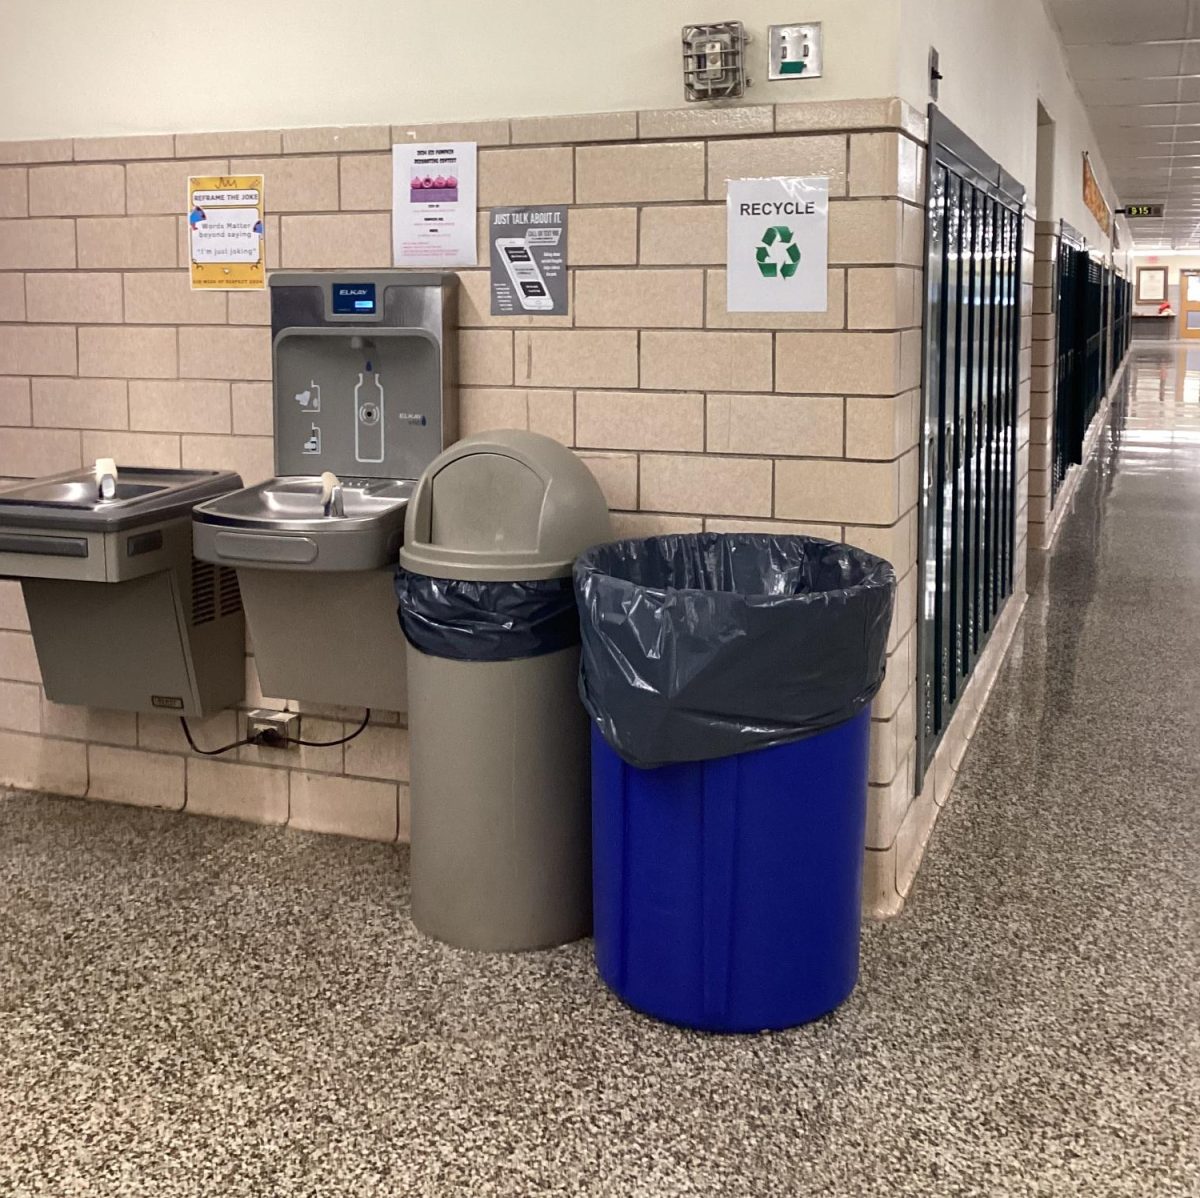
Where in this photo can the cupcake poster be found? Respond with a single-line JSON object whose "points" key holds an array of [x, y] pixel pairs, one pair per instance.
{"points": [[433, 204], [433, 189]]}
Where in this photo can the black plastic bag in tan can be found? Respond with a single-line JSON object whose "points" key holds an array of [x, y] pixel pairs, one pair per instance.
{"points": [[705, 645], [468, 620]]}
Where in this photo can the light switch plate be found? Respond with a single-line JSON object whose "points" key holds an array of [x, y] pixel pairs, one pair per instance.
{"points": [[794, 51]]}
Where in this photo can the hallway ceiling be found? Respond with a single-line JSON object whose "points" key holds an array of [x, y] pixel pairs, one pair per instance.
{"points": [[1137, 66]]}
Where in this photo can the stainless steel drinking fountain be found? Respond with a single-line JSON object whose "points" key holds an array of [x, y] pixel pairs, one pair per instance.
{"points": [[364, 400], [122, 615]]}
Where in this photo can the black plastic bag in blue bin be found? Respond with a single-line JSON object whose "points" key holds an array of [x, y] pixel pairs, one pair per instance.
{"points": [[704, 645]]}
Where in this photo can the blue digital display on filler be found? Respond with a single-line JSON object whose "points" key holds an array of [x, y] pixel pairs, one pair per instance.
{"points": [[354, 299]]}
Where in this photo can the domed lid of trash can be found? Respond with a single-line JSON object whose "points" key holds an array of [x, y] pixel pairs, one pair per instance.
{"points": [[505, 505]]}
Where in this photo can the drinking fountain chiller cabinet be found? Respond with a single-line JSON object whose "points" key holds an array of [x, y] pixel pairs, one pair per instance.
{"points": [[122, 615]]}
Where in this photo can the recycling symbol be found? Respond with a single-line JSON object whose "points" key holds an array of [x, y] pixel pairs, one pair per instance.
{"points": [[777, 242]]}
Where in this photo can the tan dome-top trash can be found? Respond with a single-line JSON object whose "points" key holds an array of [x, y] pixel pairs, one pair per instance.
{"points": [[500, 768]]}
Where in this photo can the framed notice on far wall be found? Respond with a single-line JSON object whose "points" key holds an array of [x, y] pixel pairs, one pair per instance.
{"points": [[1151, 284]]}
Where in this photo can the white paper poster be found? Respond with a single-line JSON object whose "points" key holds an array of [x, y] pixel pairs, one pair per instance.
{"points": [[778, 245], [433, 204]]}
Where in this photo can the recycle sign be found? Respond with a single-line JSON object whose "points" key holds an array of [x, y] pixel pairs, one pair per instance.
{"points": [[777, 229], [775, 241]]}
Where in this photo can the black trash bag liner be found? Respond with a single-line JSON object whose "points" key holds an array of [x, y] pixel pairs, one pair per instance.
{"points": [[704, 645], [486, 621]]}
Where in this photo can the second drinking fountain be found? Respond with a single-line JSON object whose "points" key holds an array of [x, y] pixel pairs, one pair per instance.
{"points": [[364, 400]]}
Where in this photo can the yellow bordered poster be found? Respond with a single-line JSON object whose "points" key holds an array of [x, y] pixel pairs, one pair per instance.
{"points": [[1093, 197], [226, 232]]}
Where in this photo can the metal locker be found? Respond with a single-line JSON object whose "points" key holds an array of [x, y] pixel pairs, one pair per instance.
{"points": [[968, 453]]}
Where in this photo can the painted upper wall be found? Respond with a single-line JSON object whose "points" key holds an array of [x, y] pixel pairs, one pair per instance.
{"points": [[73, 68], [998, 58], [1175, 261]]}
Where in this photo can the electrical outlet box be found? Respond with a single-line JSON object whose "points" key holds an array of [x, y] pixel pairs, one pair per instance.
{"points": [[794, 51], [279, 726]]}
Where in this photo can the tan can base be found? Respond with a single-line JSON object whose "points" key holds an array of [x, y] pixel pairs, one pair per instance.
{"points": [[501, 802]]}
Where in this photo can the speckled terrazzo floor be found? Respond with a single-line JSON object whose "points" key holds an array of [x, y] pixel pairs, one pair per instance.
{"points": [[194, 1007]]}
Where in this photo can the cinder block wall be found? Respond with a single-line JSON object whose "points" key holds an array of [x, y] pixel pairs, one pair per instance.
{"points": [[691, 417], [1045, 381], [1047, 510]]}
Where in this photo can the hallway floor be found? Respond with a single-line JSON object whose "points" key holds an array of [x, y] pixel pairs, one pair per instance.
{"points": [[200, 1007]]}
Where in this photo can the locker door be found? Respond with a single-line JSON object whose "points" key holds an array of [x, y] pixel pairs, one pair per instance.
{"points": [[980, 418], [952, 457], [940, 234], [968, 416], [1071, 391], [1013, 366], [993, 409], [997, 456]]}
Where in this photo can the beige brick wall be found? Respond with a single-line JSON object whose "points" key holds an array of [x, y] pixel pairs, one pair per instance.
{"points": [[691, 417], [1043, 382]]}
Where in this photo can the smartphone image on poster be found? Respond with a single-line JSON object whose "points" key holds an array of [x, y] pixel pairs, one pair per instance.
{"points": [[526, 275]]}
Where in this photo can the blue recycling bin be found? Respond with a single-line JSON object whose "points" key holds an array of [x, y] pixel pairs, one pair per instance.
{"points": [[727, 893], [729, 681]]}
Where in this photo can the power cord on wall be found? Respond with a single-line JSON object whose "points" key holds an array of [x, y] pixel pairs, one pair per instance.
{"points": [[270, 739], [328, 744], [256, 739]]}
